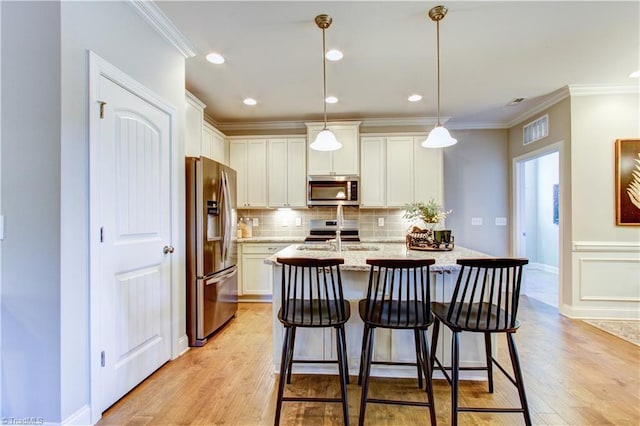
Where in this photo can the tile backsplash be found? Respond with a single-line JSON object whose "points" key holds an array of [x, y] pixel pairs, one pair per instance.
{"points": [[282, 223]]}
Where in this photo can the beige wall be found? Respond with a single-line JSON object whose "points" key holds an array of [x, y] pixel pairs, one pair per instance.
{"points": [[599, 261]]}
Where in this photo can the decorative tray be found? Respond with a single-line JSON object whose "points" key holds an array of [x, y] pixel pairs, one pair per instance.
{"points": [[425, 241]]}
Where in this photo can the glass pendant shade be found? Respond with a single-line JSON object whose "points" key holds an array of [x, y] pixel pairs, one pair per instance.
{"points": [[325, 141], [439, 137]]}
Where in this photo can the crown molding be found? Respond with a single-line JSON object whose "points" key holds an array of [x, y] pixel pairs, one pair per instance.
{"points": [[163, 26], [591, 90], [556, 97], [261, 125]]}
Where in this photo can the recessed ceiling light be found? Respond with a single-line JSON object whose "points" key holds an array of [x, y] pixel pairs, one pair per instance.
{"points": [[635, 74], [414, 98], [331, 100], [215, 58], [334, 55], [250, 101]]}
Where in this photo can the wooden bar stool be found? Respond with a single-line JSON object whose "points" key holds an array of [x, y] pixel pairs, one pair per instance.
{"points": [[312, 297], [399, 298], [485, 300]]}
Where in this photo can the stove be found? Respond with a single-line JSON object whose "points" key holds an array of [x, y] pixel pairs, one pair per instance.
{"points": [[323, 230]]}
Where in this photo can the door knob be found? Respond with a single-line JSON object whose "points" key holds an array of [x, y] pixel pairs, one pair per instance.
{"points": [[167, 249]]}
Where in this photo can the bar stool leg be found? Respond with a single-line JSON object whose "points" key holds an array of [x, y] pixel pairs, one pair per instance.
{"points": [[515, 361], [419, 355], [487, 347], [342, 367], [426, 363], [290, 355], [283, 370], [365, 336], [455, 364], [434, 341], [366, 373], [344, 351]]}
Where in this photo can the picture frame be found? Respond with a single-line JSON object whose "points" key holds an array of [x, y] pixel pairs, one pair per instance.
{"points": [[627, 176]]}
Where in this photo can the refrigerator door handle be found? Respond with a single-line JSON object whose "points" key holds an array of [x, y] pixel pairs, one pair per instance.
{"points": [[228, 274], [226, 205]]}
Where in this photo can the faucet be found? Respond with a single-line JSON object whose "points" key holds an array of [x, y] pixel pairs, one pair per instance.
{"points": [[339, 224]]}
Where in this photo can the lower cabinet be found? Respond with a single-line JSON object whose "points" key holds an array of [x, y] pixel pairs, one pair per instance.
{"points": [[255, 275]]}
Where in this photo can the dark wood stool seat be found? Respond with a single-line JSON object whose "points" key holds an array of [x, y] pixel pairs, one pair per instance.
{"points": [[398, 297], [485, 300], [312, 297]]}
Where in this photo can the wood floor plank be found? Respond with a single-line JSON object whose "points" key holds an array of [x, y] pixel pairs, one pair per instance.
{"points": [[575, 374]]}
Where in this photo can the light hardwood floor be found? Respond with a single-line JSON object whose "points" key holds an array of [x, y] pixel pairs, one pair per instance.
{"points": [[575, 374]]}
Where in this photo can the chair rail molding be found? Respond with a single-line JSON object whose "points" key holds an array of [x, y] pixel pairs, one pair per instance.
{"points": [[606, 246]]}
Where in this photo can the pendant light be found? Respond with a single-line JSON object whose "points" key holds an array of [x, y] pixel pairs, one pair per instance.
{"points": [[439, 137], [325, 140]]}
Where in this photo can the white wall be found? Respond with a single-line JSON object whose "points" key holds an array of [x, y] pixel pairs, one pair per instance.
{"points": [[476, 184], [606, 257], [45, 287], [31, 205], [118, 34]]}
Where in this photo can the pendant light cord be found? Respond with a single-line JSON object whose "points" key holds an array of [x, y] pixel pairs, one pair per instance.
{"points": [[438, 65], [324, 81]]}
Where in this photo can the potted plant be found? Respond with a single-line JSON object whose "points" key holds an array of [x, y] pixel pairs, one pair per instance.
{"points": [[430, 213]]}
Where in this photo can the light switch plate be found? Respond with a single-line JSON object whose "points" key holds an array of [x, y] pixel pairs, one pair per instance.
{"points": [[298, 221], [381, 221], [476, 221], [501, 221], [256, 222], [1, 227]]}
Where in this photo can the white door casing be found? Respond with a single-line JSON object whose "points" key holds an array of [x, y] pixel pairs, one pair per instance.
{"points": [[131, 224]]}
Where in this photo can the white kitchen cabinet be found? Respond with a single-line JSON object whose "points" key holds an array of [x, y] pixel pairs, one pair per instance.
{"points": [[400, 171], [193, 122], [344, 161], [249, 158], [372, 172], [287, 172], [213, 144], [255, 275], [396, 170]]}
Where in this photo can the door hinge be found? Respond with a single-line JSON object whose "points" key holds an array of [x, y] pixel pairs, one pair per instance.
{"points": [[102, 234], [102, 104], [102, 359]]}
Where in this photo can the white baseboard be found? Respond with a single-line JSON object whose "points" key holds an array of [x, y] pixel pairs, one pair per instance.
{"points": [[542, 267], [600, 313], [183, 346], [80, 417]]}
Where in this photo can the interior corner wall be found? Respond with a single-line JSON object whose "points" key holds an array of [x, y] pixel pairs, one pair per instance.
{"points": [[30, 191], [560, 132], [477, 184], [118, 34], [606, 257]]}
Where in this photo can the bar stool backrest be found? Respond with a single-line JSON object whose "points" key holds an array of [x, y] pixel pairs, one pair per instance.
{"points": [[399, 294], [487, 293], [312, 292]]}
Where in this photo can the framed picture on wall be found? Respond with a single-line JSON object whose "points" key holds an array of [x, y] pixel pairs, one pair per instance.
{"points": [[628, 182]]}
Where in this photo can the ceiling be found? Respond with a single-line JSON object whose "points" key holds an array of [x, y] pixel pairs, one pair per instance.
{"points": [[491, 53]]}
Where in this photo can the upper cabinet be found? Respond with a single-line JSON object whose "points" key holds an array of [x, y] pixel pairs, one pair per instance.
{"points": [[397, 170], [344, 161], [286, 172], [201, 138], [193, 122], [249, 159], [213, 144]]}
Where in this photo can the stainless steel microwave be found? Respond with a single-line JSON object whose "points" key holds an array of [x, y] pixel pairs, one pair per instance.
{"points": [[333, 190]]}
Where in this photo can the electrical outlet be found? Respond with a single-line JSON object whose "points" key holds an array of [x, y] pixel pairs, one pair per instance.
{"points": [[285, 222], [476, 221], [501, 221], [298, 221], [381, 221], [256, 222]]}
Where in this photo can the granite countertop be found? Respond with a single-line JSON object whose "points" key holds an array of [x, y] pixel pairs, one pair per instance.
{"points": [[354, 260], [271, 240]]}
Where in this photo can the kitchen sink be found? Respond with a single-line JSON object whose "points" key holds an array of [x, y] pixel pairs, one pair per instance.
{"points": [[345, 247]]}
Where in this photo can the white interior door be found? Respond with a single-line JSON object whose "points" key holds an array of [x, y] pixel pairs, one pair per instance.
{"points": [[134, 279]]}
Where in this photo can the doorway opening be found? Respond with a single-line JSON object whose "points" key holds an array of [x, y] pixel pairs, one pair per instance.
{"points": [[537, 213]]}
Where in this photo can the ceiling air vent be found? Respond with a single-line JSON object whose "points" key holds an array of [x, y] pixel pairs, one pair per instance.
{"points": [[535, 130]]}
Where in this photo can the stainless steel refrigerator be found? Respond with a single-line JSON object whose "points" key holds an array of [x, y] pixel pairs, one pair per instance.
{"points": [[212, 283]]}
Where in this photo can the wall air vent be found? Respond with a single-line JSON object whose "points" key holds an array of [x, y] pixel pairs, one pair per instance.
{"points": [[535, 130]]}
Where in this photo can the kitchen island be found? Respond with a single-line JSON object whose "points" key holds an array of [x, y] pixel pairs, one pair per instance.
{"points": [[389, 345]]}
